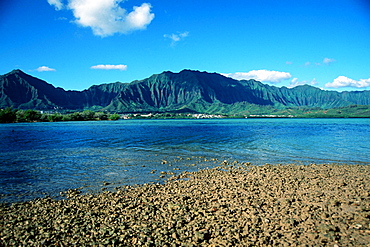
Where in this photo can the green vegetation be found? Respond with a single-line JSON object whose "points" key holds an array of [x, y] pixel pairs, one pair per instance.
{"points": [[256, 111], [184, 92], [114, 116], [10, 115], [352, 111]]}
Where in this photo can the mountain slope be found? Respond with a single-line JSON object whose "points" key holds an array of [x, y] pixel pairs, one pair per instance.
{"points": [[184, 91], [307, 96], [171, 91], [201, 90], [20, 90]]}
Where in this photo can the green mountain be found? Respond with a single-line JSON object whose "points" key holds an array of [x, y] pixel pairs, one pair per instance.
{"points": [[186, 91], [20, 90]]}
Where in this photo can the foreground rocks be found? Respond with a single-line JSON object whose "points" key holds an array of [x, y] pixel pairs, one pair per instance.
{"points": [[243, 205]]}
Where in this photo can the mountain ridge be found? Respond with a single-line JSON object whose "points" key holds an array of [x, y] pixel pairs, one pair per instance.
{"points": [[188, 90]]}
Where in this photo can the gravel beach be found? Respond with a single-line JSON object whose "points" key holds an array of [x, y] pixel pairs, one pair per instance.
{"points": [[231, 205]]}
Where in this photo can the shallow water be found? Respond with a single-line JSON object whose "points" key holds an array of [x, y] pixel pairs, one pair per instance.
{"points": [[39, 159]]}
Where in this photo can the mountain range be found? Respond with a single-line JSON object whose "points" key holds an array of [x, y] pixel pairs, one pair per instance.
{"points": [[186, 91]]}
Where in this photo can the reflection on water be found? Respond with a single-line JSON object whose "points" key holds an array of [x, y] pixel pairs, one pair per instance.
{"points": [[44, 158]]}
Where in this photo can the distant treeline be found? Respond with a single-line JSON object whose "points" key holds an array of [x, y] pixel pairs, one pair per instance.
{"points": [[10, 115]]}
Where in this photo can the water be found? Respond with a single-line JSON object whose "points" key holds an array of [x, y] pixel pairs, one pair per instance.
{"points": [[38, 159]]}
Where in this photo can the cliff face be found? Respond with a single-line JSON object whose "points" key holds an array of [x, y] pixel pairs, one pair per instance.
{"points": [[171, 91], [190, 90]]}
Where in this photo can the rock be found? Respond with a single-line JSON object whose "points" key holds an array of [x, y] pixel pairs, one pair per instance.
{"points": [[240, 205]]}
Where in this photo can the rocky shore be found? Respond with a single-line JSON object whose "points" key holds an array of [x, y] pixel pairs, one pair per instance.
{"points": [[231, 205]]}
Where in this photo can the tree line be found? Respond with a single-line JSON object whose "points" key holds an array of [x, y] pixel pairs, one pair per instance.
{"points": [[10, 115]]}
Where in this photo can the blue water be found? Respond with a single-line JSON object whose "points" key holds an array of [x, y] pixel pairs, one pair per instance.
{"points": [[38, 159]]}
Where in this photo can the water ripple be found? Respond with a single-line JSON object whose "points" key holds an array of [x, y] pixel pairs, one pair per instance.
{"points": [[39, 159]]}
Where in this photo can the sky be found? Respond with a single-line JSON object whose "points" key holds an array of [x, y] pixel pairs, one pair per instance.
{"points": [[74, 44]]}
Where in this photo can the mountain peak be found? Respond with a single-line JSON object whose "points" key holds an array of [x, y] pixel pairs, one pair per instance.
{"points": [[16, 71], [19, 71]]}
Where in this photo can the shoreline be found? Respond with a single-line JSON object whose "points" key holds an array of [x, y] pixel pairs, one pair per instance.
{"points": [[229, 205]]}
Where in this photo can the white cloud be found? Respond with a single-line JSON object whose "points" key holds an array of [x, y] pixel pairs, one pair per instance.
{"points": [[109, 66], [261, 75], [44, 68], [57, 4], [343, 81], [107, 17], [328, 60], [140, 17], [295, 82], [176, 37]]}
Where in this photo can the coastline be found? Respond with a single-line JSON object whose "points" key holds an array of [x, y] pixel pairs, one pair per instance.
{"points": [[230, 205]]}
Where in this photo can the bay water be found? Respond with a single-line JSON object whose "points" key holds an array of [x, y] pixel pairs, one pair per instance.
{"points": [[42, 159]]}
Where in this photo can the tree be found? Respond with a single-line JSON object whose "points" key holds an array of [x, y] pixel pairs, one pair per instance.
{"points": [[88, 115], [44, 117], [101, 115], [114, 116], [55, 117], [32, 115], [28, 115], [8, 115], [67, 117], [20, 116], [76, 116]]}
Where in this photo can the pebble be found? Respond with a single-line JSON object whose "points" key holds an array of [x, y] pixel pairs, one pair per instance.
{"points": [[236, 204]]}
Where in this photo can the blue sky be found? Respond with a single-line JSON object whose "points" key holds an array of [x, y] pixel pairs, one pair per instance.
{"points": [[75, 44]]}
